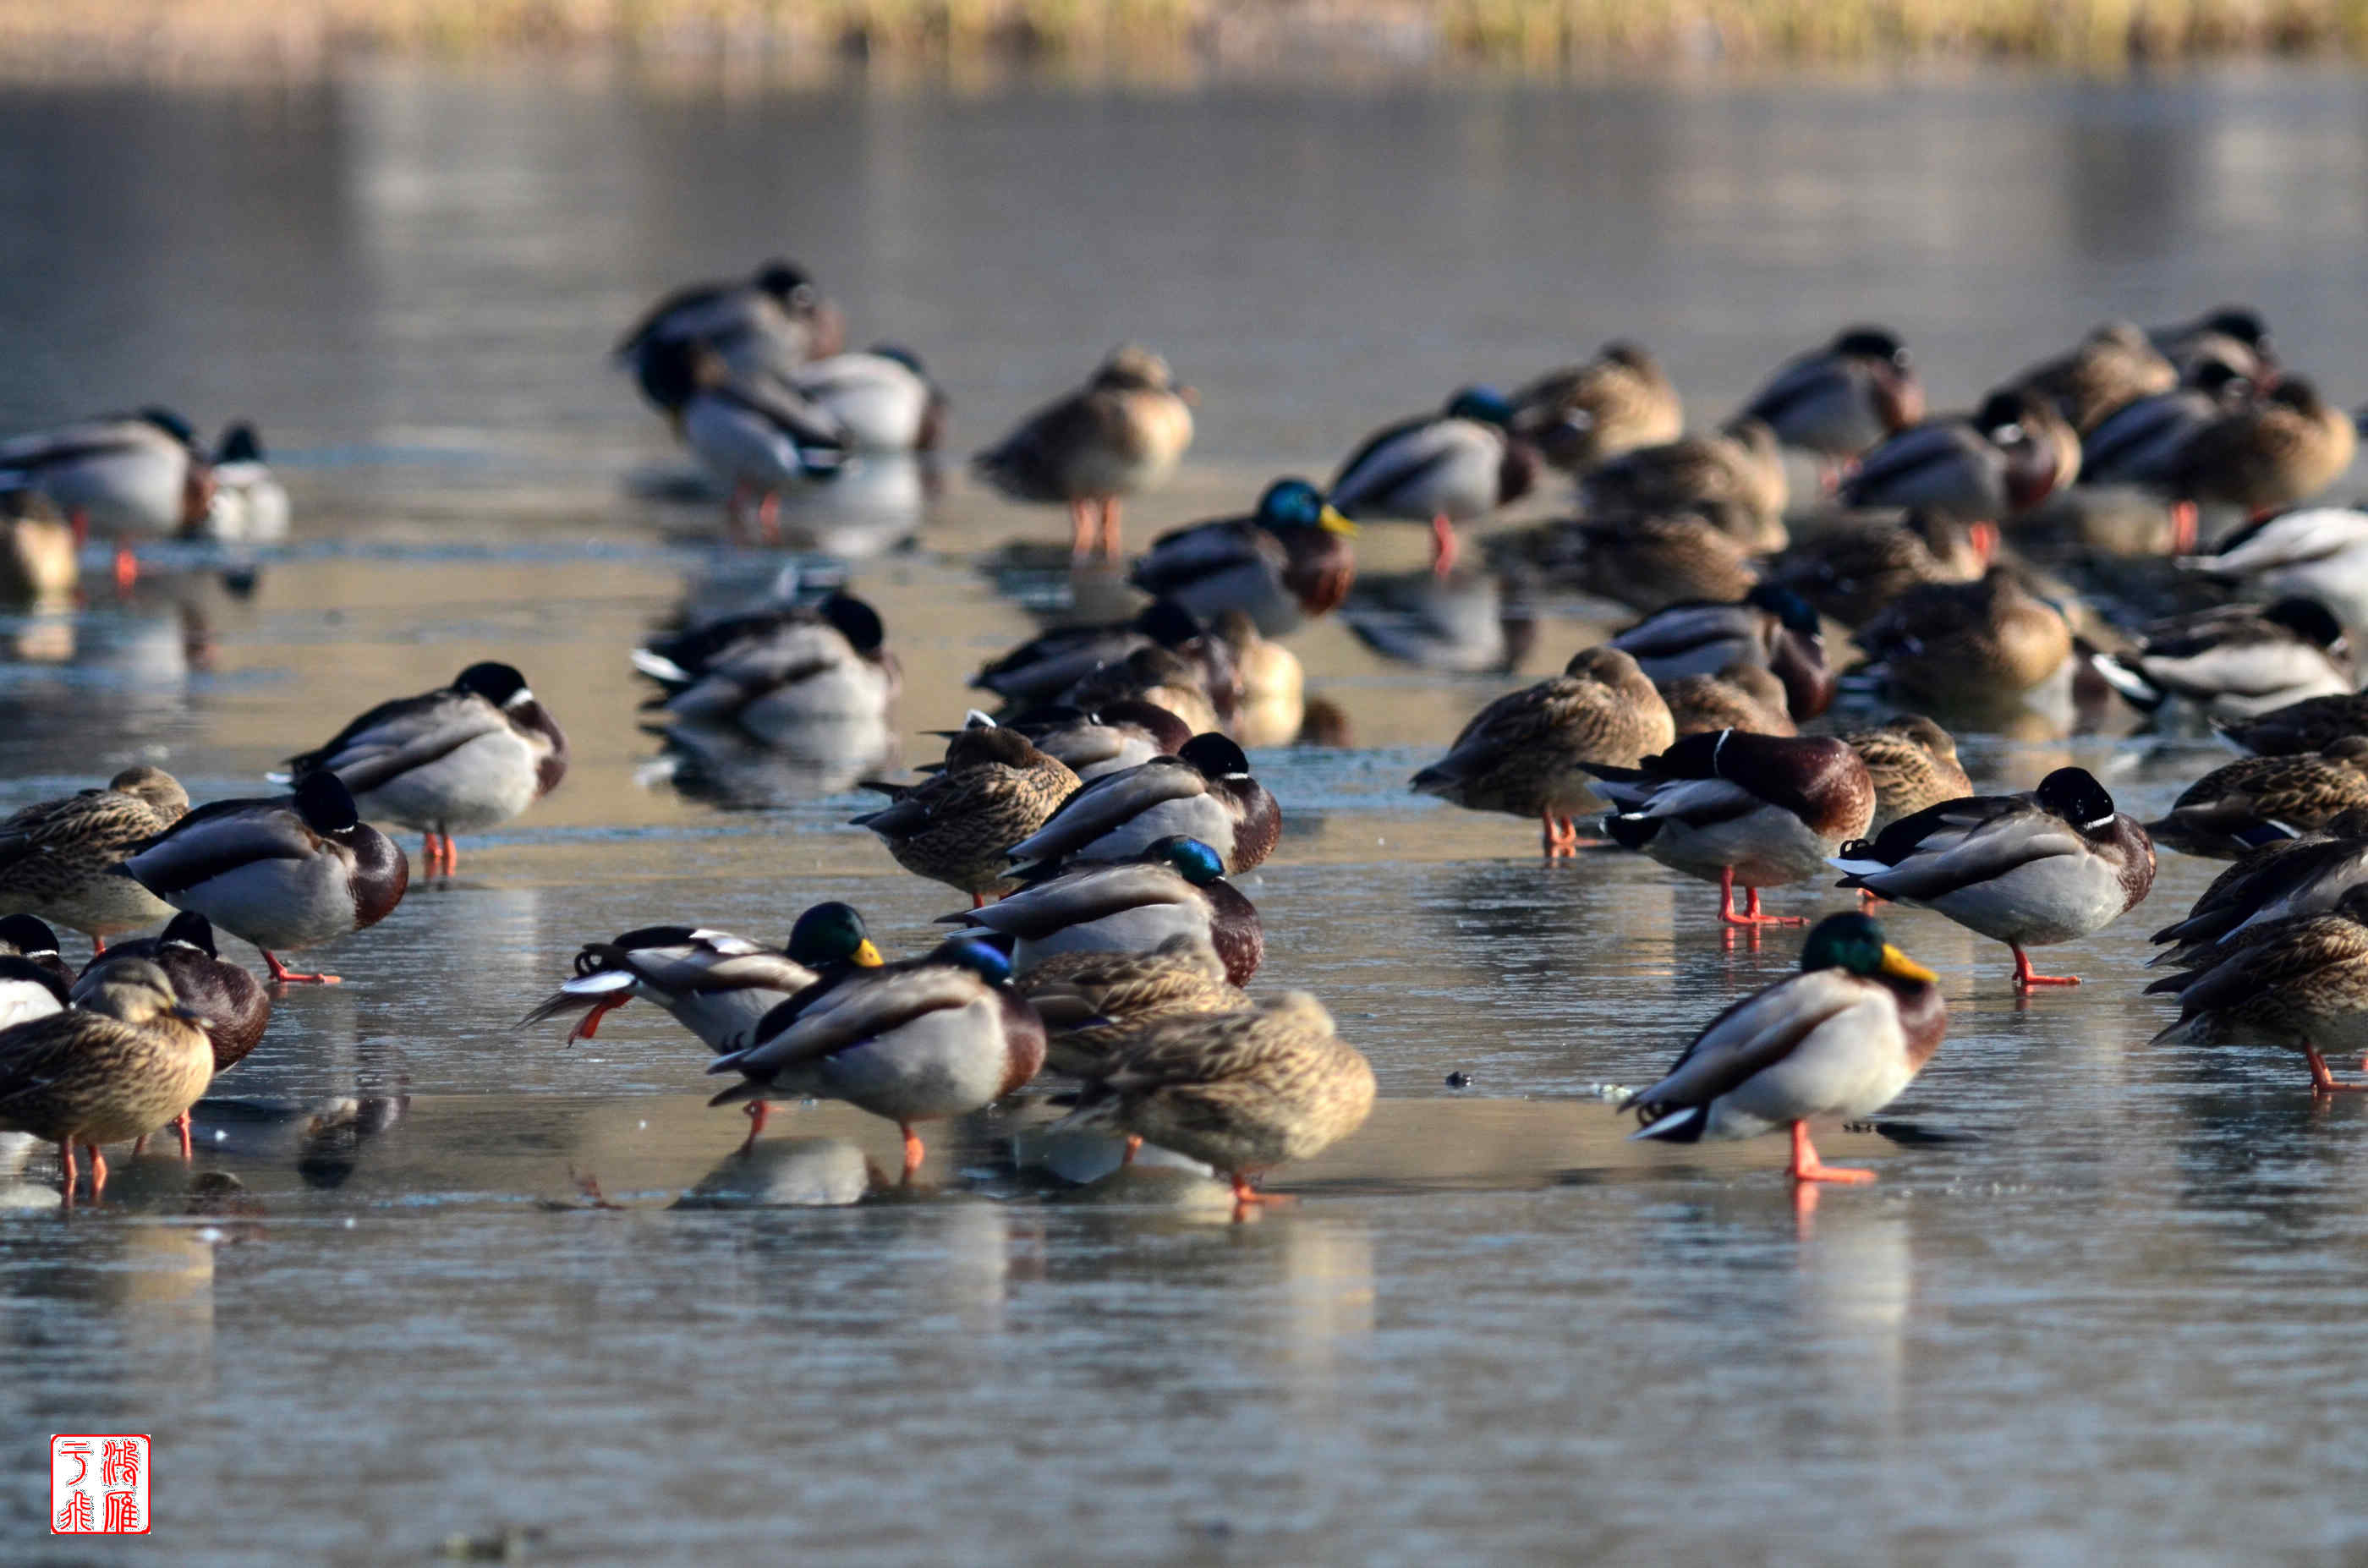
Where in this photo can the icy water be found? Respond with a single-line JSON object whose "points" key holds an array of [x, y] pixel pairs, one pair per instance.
{"points": [[2096, 1308]]}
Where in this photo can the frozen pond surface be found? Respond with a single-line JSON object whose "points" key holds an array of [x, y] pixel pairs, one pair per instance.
{"points": [[2097, 1308]]}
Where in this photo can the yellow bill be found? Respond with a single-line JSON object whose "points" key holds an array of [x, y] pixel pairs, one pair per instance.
{"points": [[1900, 966]]}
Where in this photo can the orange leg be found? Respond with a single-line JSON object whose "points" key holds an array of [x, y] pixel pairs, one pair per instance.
{"points": [[283, 975], [1750, 916], [1806, 1166], [913, 1150], [2185, 530], [1248, 1197], [2025, 980], [97, 1170], [1444, 546], [769, 520], [2322, 1081], [139, 1145], [1561, 835], [757, 1112], [97, 944], [127, 569], [66, 1157], [1081, 529], [1110, 527], [451, 856], [1868, 898], [589, 1024], [428, 854], [1134, 1147], [978, 901], [188, 1151]]}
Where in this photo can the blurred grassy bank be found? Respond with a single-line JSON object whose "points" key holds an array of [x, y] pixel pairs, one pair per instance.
{"points": [[820, 37]]}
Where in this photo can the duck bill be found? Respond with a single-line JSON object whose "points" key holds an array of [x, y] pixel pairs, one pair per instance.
{"points": [[1332, 522], [1900, 966], [867, 956]]}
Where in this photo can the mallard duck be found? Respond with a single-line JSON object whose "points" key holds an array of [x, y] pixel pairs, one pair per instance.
{"points": [[2136, 443], [1733, 477], [1770, 626], [37, 551], [771, 323], [1840, 400], [2285, 879], [1969, 641], [920, 1040], [2300, 983], [1051, 662], [880, 400], [2113, 367], [2312, 724], [1841, 1040], [996, 789], [715, 985], [1176, 885], [1289, 561], [752, 431], [1244, 1091], [1852, 571], [121, 475], [1742, 810], [250, 506], [774, 670], [25, 937], [2235, 661], [2007, 458], [2318, 553], [1164, 678], [2029, 870], [229, 1003], [2268, 455], [58, 857], [129, 1059], [463, 757], [1646, 563], [2234, 336], [1740, 696], [2259, 800], [1204, 793], [285, 872], [1587, 415], [1123, 431], [1115, 736], [1092, 1003], [1441, 469], [28, 990], [1272, 683], [1523, 753], [1914, 764]]}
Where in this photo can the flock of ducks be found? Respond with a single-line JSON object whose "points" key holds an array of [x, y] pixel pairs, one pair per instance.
{"points": [[1097, 823]]}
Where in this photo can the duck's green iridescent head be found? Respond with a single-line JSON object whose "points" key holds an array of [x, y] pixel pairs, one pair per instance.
{"points": [[1296, 503], [1855, 942], [1485, 404], [1191, 858], [830, 935], [1785, 605], [989, 963]]}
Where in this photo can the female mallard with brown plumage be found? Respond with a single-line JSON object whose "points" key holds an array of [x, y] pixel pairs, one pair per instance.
{"points": [[58, 857], [1524, 753], [996, 789], [2271, 454], [1587, 415], [1288, 562], [119, 1067], [1770, 627], [1646, 563], [2112, 367], [1741, 696], [1840, 1040], [2298, 984], [2312, 724], [1093, 1003], [1969, 641], [1742, 810], [1123, 431], [1242, 1091], [2259, 800], [2029, 870], [2280, 881], [1733, 477], [229, 1001], [1852, 570], [1913, 762]]}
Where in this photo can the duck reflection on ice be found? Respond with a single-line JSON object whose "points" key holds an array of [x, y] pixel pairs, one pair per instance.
{"points": [[1468, 623], [787, 1173], [739, 771]]}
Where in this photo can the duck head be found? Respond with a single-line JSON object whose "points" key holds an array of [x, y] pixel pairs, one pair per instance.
{"points": [[1169, 623], [983, 959], [240, 444], [136, 992], [832, 936], [2025, 429], [977, 747], [2308, 619], [1188, 857], [159, 789], [27, 936], [500, 684], [1855, 942], [856, 621], [1899, 395], [191, 929], [2074, 794], [325, 804], [1215, 757], [1482, 405], [787, 282], [1796, 651], [1296, 503]]}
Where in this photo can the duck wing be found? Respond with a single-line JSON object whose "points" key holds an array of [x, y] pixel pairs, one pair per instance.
{"points": [[1957, 844], [218, 838], [1111, 802], [395, 737], [1078, 897], [1752, 1036], [849, 1014]]}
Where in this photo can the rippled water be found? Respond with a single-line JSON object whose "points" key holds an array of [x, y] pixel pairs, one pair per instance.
{"points": [[2098, 1306]]}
